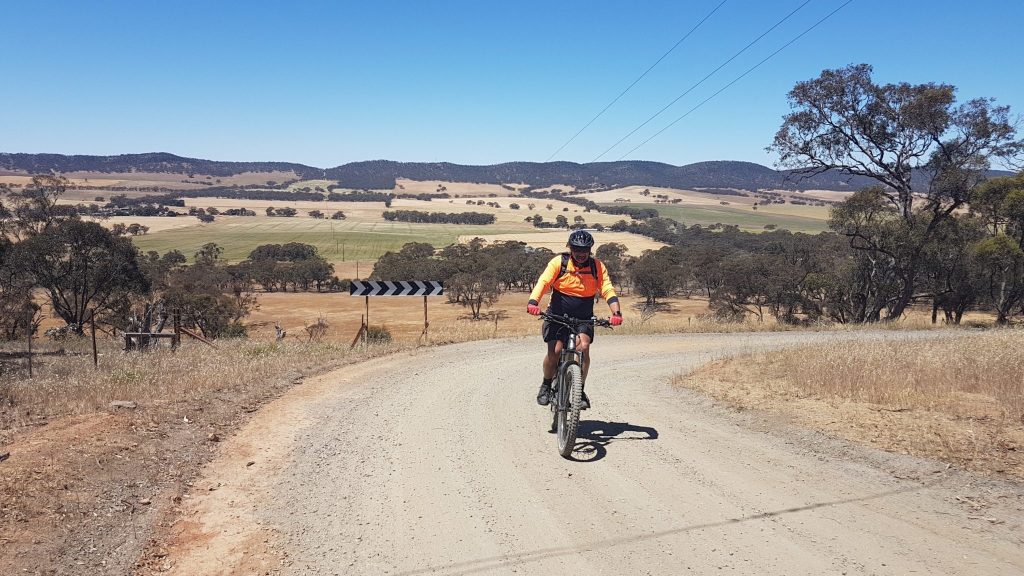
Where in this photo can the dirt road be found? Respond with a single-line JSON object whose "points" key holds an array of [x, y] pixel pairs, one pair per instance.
{"points": [[439, 462]]}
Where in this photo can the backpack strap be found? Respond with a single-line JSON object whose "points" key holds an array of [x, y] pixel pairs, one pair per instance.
{"points": [[565, 264]]}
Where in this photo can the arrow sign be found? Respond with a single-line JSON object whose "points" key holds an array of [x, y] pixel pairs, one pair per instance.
{"points": [[396, 288]]}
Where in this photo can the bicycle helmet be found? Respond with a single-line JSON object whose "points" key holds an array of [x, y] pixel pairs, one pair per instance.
{"points": [[581, 239]]}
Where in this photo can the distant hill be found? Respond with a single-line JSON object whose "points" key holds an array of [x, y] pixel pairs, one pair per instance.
{"points": [[381, 174], [718, 174], [155, 162]]}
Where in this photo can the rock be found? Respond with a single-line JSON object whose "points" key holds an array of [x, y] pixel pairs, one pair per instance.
{"points": [[5, 456], [145, 501], [213, 437], [126, 404]]}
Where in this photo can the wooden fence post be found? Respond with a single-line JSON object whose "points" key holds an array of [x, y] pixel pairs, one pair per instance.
{"points": [[177, 331], [426, 324], [360, 333]]}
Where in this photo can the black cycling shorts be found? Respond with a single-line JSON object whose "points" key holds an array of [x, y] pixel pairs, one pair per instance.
{"points": [[551, 331]]}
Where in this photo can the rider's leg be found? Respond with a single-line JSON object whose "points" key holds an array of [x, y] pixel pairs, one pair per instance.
{"points": [[583, 346], [551, 359], [549, 365]]}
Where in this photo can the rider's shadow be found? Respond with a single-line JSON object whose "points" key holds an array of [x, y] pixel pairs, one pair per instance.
{"points": [[593, 436]]}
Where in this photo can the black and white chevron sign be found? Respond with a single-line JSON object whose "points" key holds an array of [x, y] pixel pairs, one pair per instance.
{"points": [[396, 288]]}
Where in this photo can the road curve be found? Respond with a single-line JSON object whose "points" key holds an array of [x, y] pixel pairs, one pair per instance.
{"points": [[438, 461]]}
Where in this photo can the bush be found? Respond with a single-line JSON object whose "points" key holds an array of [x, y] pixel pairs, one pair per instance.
{"points": [[378, 335], [234, 330]]}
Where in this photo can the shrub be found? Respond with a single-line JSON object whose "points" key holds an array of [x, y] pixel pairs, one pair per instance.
{"points": [[378, 335], [234, 330]]}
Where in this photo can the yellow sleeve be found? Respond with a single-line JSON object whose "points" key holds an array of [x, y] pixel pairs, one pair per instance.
{"points": [[606, 289], [547, 278]]}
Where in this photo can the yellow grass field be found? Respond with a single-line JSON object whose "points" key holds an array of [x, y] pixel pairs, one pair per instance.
{"points": [[459, 189], [634, 195], [403, 315], [365, 235], [155, 223], [694, 206], [554, 240]]}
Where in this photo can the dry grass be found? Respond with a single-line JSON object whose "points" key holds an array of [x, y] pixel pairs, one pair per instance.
{"points": [[82, 476], [65, 381], [404, 317], [934, 375], [83, 472], [958, 398]]}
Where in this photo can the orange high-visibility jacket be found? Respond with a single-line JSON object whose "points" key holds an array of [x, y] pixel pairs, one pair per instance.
{"points": [[576, 282]]}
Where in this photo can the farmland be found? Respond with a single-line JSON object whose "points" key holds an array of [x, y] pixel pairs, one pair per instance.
{"points": [[809, 219], [335, 240], [364, 235]]}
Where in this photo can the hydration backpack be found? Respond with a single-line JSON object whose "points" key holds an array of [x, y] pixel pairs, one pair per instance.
{"points": [[565, 264]]}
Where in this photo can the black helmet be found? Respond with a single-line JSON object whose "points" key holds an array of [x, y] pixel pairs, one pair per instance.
{"points": [[581, 239]]}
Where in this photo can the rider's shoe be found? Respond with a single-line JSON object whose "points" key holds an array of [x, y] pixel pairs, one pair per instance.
{"points": [[584, 402], [544, 394]]}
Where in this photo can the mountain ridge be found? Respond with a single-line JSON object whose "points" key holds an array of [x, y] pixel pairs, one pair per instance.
{"points": [[382, 174]]}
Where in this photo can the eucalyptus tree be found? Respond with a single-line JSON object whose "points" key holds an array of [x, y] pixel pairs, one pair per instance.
{"points": [[84, 269], [1000, 257], [925, 150]]}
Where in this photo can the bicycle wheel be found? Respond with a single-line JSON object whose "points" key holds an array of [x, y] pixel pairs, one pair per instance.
{"points": [[569, 417]]}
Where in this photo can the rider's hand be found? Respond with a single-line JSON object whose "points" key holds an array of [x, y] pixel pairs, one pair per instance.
{"points": [[533, 309], [615, 320]]}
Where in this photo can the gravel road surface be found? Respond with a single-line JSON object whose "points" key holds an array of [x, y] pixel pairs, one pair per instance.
{"points": [[439, 461]]}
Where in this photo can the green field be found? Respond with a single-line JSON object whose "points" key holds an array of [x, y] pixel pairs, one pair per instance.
{"points": [[810, 219], [335, 240]]}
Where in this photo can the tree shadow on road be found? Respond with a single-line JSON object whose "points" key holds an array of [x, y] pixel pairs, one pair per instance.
{"points": [[593, 436]]}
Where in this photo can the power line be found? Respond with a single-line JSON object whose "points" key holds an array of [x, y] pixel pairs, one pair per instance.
{"points": [[605, 109], [738, 78], [701, 81]]}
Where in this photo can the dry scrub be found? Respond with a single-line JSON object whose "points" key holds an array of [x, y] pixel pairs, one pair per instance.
{"points": [[65, 381], [958, 398], [85, 484], [948, 375]]}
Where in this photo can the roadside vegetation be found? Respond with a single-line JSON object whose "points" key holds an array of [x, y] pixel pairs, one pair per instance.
{"points": [[951, 241], [956, 248], [955, 398], [64, 381], [928, 375]]}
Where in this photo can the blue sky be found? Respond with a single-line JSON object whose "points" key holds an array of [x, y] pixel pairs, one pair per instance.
{"points": [[326, 83]]}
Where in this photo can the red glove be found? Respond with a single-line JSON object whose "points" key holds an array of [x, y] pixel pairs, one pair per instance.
{"points": [[615, 320], [533, 309]]}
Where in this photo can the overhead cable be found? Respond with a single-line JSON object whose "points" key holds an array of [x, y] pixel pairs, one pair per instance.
{"points": [[616, 99], [738, 78], [701, 81]]}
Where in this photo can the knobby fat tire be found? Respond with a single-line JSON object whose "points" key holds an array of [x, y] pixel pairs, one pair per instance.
{"points": [[573, 383]]}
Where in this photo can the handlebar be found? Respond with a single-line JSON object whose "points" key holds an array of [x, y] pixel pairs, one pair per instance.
{"points": [[574, 323]]}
